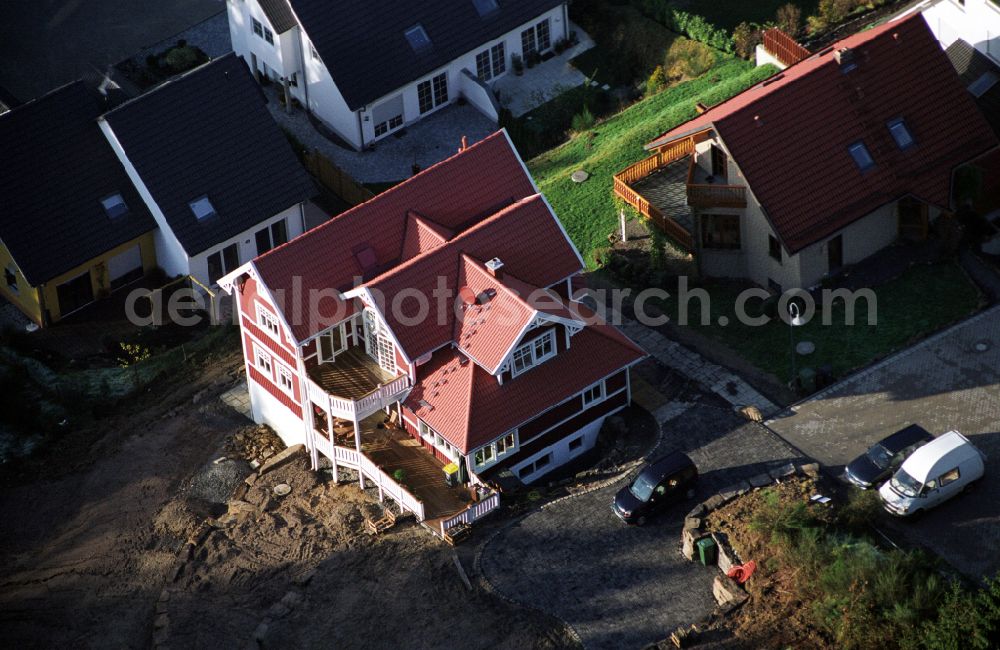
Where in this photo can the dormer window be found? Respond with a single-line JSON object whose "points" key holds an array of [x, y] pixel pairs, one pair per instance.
{"points": [[417, 37], [485, 7], [900, 133], [202, 208], [863, 159], [114, 206], [533, 353]]}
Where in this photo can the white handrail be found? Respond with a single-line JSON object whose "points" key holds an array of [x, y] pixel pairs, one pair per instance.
{"points": [[351, 458], [473, 512]]}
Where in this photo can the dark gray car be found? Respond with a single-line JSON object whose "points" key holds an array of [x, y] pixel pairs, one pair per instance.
{"points": [[885, 456]]}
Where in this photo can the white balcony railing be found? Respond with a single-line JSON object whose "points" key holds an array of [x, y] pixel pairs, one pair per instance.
{"points": [[360, 408], [353, 459], [472, 513]]}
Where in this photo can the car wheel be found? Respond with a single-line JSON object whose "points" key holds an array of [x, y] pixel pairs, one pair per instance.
{"points": [[641, 521]]}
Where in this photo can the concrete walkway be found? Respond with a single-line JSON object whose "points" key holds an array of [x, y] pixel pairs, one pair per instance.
{"points": [[714, 378], [543, 82]]}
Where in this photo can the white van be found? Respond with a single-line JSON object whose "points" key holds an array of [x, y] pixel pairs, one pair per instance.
{"points": [[934, 473]]}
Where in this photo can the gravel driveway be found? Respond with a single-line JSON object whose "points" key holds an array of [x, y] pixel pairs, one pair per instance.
{"points": [[621, 587]]}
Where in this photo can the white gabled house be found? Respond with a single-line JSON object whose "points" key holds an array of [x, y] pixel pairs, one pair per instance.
{"points": [[212, 167], [976, 22], [369, 69]]}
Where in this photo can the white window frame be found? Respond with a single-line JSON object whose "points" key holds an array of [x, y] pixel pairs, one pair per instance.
{"points": [[262, 360], [437, 440], [257, 27], [530, 352], [268, 321], [284, 379], [502, 447], [593, 394], [268, 36]]}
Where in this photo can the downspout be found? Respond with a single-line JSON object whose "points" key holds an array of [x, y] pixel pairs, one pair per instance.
{"points": [[305, 74], [361, 131], [302, 215], [566, 20]]}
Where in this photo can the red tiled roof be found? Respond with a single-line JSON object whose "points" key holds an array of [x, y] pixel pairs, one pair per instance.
{"points": [[790, 134], [526, 236], [469, 408], [422, 235], [455, 193], [487, 331]]}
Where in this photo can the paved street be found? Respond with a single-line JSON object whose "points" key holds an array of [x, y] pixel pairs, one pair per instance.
{"points": [[621, 587], [950, 381]]}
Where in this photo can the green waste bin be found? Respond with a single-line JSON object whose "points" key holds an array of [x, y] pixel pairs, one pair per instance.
{"points": [[807, 379], [707, 551]]}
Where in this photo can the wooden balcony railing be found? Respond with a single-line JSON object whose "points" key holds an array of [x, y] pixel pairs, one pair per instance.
{"points": [[713, 195], [783, 47]]}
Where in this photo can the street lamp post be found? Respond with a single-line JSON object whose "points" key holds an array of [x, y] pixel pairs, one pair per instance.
{"points": [[795, 319]]}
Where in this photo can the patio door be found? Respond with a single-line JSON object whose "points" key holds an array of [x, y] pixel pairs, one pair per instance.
{"points": [[720, 164], [378, 345], [75, 293], [332, 343]]}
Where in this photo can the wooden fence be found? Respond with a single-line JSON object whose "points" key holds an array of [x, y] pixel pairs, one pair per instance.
{"points": [[783, 47], [335, 179]]}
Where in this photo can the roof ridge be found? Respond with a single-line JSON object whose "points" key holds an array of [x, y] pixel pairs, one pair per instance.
{"points": [[493, 218], [389, 192]]}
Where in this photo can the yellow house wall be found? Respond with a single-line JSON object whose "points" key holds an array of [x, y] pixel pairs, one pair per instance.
{"points": [[28, 300]]}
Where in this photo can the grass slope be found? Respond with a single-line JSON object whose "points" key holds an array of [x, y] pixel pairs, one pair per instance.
{"points": [[588, 209]]}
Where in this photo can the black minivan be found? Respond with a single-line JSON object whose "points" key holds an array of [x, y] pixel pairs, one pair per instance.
{"points": [[662, 482]]}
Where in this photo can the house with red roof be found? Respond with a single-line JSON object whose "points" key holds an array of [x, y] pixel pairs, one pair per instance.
{"points": [[427, 339], [818, 167]]}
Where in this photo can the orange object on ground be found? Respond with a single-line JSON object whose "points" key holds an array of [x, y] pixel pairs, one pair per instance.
{"points": [[742, 573]]}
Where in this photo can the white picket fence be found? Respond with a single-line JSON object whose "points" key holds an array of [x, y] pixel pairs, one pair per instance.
{"points": [[473, 512], [353, 459]]}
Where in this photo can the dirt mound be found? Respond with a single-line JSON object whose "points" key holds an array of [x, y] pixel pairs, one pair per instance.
{"points": [[255, 443]]}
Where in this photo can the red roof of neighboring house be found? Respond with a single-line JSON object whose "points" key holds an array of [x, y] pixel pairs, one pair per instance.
{"points": [[527, 238], [790, 134], [368, 239], [469, 408]]}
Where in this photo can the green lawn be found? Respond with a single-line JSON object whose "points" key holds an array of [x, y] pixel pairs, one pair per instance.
{"points": [[903, 309], [588, 209]]}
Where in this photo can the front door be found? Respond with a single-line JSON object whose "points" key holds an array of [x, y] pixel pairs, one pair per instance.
{"points": [[835, 253], [75, 294], [720, 164], [912, 219]]}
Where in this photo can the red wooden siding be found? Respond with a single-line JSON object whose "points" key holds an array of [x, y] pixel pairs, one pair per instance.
{"points": [[275, 392]]}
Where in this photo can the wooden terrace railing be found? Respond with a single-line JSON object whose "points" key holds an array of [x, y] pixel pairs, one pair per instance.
{"points": [[783, 47], [473, 512], [623, 189]]}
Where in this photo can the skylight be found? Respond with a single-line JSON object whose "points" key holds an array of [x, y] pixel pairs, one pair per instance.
{"points": [[862, 158], [485, 7], [114, 205], [986, 81], [418, 38], [202, 208], [900, 133]]}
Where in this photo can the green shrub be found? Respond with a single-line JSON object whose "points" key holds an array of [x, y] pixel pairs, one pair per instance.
{"points": [[691, 25], [964, 620], [656, 82], [688, 59], [860, 510], [746, 38], [582, 121]]}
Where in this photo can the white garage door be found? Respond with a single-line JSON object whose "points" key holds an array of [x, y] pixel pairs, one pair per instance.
{"points": [[126, 265]]}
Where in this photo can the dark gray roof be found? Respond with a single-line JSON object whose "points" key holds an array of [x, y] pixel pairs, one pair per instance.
{"points": [[279, 14], [57, 166], [971, 64], [363, 46], [209, 133]]}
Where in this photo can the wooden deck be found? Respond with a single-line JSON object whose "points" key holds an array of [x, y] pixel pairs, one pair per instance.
{"points": [[394, 449], [353, 374], [666, 189]]}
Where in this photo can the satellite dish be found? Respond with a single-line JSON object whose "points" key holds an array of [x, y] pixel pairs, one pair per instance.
{"points": [[467, 296]]}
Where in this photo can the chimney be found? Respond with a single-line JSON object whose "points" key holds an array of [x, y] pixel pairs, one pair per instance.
{"points": [[844, 56], [700, 107], [495, 268], [465, 144]]}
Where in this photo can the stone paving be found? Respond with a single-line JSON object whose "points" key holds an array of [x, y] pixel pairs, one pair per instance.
{"points": [[426, 142], [618, 586], [545, 81], [238, 399], [949, 381]]}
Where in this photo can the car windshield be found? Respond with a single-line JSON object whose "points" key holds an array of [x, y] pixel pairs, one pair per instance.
{"points": [[641, 488], [880, 456], [905, 484]]}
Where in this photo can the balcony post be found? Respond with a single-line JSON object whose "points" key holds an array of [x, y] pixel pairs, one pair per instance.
{"points": [[333, 443], [357, 445]]}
